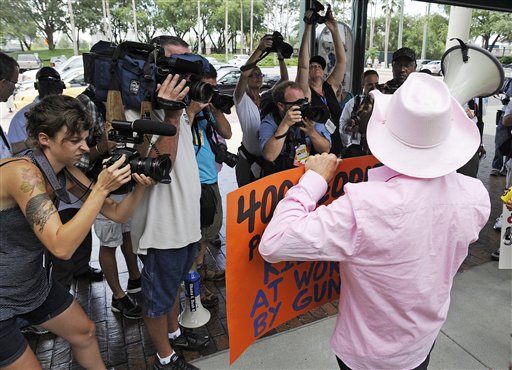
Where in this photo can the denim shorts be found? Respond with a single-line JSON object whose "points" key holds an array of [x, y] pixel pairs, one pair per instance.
{"points": [[12, 342], [161, 276]]}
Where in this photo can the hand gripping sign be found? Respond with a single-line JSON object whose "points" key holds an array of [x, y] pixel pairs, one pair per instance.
{"points": [[260, 295]]}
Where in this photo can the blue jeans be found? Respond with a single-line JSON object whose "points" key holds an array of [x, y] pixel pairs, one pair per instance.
{"points": [[161, 276]]}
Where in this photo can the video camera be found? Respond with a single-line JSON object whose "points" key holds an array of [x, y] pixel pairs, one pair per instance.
{"points": [[316, 17], [316, 113], [136, 68], [124, 132], [278, 44]]}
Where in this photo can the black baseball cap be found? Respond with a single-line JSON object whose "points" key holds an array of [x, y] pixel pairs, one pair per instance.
{"points": [[406, 53], [47, 73], [318, 59]]}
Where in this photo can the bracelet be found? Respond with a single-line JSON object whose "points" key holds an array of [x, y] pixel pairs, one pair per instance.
{"points": [[281, 136]]}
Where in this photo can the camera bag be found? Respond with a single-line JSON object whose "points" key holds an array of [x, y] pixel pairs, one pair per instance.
{"points": [[127, 67]]}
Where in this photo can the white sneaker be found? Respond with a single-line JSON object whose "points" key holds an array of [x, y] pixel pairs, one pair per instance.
{"points": [[497, 224]]}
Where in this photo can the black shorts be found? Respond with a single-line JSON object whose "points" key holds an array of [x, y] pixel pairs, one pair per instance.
{"points": [[12, 342]]}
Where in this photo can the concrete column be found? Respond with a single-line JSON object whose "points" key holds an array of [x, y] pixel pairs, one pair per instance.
{"points": [[458, 25]]}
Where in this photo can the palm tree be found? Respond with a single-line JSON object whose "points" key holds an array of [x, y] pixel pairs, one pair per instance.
{"points": [[373, 4], [388, 8]]}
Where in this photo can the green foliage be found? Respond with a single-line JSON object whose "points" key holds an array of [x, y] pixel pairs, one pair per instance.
{"points": [[491, 26], [507, 59]]}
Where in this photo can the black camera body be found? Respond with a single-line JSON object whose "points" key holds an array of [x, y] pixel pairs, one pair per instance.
{"points": [[223, 156], [204, 92], [316, 17], [125, 132], [316, 113], [278, 44]]}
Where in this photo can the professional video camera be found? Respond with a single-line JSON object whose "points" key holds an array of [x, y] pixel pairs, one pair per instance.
{"points": [[278, 44], [124, 132], [316, 17], [316, 113]]}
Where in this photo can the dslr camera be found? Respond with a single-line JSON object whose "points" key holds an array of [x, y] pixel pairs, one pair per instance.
{"points": [[223, 156], [278, 44], [316, 17], [316, 113], [124, 132]]}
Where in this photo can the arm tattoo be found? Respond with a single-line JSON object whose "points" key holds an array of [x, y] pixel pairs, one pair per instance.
{"points": [[31, 180], [38, 211]]}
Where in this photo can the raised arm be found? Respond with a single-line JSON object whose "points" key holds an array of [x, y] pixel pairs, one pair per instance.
{"points": [[283, 69], [172, 89], [303, 63], [336, 77], [265, 42], [223, 126]]}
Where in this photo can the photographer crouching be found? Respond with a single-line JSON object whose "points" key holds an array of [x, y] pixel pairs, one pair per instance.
{"points": [[209, 122], [290, 133]]}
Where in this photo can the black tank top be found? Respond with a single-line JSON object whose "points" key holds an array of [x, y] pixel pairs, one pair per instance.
{"points": [[331, 102]]}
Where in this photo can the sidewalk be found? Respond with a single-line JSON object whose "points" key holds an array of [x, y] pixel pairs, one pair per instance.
{"points": [[475, 336]]}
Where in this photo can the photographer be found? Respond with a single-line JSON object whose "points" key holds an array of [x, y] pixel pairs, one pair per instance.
{"points": [[207, 122], [287, 138], [311, 74], [166, 226], [355, 116], [248, 103], [29, 186]]}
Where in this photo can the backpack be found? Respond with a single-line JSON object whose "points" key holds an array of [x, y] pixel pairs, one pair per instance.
{"points": [[128, 67]]}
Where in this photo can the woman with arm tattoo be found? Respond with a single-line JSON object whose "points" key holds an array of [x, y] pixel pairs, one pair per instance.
{"points": [[29, 187]]}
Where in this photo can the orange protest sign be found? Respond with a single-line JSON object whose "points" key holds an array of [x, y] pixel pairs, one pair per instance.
{"points": [[260, 295]]}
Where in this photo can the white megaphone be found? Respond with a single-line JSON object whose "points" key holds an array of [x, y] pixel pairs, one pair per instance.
{"points": [[470, 71], [194, 315]]}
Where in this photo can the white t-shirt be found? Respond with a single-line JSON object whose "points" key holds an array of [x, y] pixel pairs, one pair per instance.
{"points": [[168, 216], [249, 117]]}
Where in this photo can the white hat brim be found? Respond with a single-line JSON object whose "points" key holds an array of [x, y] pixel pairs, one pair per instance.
{"points": [[455, 151]]}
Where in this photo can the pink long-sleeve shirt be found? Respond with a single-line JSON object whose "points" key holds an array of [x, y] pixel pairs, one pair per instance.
{"points": [[400, 240]]}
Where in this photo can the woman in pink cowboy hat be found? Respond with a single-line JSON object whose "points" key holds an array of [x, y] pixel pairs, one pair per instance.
{"points": [[400, 237]]}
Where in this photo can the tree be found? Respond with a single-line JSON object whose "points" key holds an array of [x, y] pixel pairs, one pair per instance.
{"points": [[48, 16], [388, 7], [491, 26], [180, 16], [16, 25], [88, 17]]}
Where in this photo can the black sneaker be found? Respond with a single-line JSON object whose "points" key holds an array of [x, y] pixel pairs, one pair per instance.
{"points": [[134, 286], [127, 308], [190, 341], [176, 363]]}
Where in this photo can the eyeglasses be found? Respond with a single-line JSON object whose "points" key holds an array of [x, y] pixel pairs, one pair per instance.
{"points": [[49, 78], [403, 65], [256, 75]]}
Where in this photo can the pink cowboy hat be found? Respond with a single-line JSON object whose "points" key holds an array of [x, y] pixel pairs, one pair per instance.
{"points": [[421, 130]]}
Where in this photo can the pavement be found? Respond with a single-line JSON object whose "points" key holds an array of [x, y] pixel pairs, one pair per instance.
{"points": [[476, 335]]}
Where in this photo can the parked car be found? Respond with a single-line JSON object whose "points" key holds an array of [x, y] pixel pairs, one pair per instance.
{"points": [[420, 64], [57, 61], [73, 80], [238, 60], [227, 83], [434, 67], [76, 61], [29, 61]]}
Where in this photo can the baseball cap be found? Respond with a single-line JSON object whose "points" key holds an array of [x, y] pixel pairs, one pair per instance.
{"points": [[318, 59], [404, 52], [47, 73]]}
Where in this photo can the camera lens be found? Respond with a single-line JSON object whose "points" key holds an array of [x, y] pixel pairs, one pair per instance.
{"points": [[201, 91]]}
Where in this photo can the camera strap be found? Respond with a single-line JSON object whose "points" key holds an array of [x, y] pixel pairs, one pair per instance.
{"points": [[249, 66]]}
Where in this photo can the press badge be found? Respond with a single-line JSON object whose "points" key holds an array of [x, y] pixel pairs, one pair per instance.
{"points": [[330, 126], [301, 155]]}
